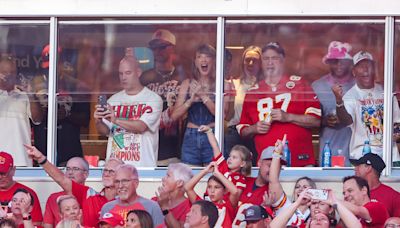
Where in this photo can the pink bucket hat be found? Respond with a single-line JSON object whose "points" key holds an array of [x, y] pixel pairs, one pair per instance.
{"points": [[338, 50]]}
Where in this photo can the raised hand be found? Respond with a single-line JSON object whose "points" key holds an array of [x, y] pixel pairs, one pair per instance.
{"points": [[34, 153], [279, 145], [338, 92]]}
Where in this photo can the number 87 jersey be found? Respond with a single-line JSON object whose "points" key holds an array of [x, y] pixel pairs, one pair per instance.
{"points": [[292, 95]]}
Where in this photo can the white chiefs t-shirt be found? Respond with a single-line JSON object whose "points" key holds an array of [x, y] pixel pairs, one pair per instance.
{"points": [[366, 109], [140, 150]]}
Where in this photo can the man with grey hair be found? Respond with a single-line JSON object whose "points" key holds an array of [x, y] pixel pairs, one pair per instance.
{"points": [[171, 194], [77, 169], [90, 200], [126, 181]]}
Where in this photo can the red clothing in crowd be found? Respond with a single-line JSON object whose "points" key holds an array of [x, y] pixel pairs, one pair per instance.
{"points": [[180, 211], [91, 203], [252, 195], [238, 179], [292, 95], [226, 212], [378, 214], [52, 213], [388, 197], [6, 197]]}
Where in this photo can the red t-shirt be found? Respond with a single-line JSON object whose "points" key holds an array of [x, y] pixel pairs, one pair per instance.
{"points": [[52, 212], [292, 95], [388, 197], [6, 197], [180, 211], [378, 214], [238, 179], [249, 198], [91, 203]]}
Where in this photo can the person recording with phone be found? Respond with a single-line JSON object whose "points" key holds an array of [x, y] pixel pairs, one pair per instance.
{"points": [[132, 117], [16, 110]]}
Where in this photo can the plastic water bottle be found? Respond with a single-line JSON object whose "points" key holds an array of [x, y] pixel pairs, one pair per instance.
{"points": [[286, 153], [326, 155], [366, 148]]}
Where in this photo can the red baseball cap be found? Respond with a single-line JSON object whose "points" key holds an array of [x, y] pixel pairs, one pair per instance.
{"points": [[6, 162], [112, 219]]}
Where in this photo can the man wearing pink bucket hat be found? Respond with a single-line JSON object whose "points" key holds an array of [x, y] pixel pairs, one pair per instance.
{"points": [[339, 61]]}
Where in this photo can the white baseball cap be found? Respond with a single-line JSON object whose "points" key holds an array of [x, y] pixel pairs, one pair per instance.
{"points": [[362, 55]]}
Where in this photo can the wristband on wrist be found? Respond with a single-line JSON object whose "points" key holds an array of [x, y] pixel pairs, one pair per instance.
{"points": [[340, 105], [209, 131], [165, 212], [206, 100], [43, 162], [186, 104]]}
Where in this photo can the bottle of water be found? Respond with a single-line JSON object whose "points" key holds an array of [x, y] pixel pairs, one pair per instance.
{"points": [[286, 153], [366, 148], [326, 155]]}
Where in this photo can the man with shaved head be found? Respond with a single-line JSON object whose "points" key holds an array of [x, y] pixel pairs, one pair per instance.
{"points": [[132, 118]]}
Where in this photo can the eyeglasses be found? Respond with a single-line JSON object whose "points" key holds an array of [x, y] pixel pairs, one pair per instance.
{"points": [[74, 169], [5, 174], [159, 47], [123, 182], [272, 58], [391, 225], [109, 171], [251, 60]]}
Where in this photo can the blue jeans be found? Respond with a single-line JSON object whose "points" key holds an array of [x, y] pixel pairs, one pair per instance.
{"points": [[196, 150]]}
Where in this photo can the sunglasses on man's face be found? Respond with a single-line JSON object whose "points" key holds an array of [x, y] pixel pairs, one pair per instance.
{"points": [[159, 47]]}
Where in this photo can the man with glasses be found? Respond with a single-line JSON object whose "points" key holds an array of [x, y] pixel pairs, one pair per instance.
{"points": [[8, 187], [279, 104], [77, 169], [126, 181], [90, 200], [165, 79], [17, 108]]}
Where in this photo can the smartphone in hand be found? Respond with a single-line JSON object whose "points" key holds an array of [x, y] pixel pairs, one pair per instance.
{"points": [[102, 101], [318, 194]]}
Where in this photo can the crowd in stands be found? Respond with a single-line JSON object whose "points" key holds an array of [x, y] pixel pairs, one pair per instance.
{"points": [[266, 110]]}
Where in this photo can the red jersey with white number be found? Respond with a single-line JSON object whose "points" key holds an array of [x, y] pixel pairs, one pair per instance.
{"points": [[238, 179], [292, 95], [252, 195]]}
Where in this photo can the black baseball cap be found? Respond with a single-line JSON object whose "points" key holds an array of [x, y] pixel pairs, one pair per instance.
{"points": [[255, 213], [371, 159]]}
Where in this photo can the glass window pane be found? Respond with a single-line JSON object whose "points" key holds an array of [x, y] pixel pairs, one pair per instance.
{"points": [[166, 55], [294, 76], [396, 85], [21, 92]]}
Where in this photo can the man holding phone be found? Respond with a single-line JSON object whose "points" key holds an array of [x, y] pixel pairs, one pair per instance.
{"points": [[132, 118]]}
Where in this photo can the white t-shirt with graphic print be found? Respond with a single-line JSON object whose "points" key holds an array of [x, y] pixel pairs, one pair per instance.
{"points": [[140, 150]]}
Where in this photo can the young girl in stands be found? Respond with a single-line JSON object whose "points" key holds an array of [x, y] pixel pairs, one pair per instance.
{"points": [[238, 164], [217, 187]]}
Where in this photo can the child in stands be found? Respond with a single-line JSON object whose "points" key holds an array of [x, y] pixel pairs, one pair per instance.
{"points": [[217, 187], [238, 164]]}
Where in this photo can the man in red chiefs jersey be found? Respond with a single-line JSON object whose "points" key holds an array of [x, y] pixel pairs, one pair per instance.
{"points": [[77, 169], [255, 189], [370, 167], [8, 187], [279, 104], [91, 201], [357, 200]]}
